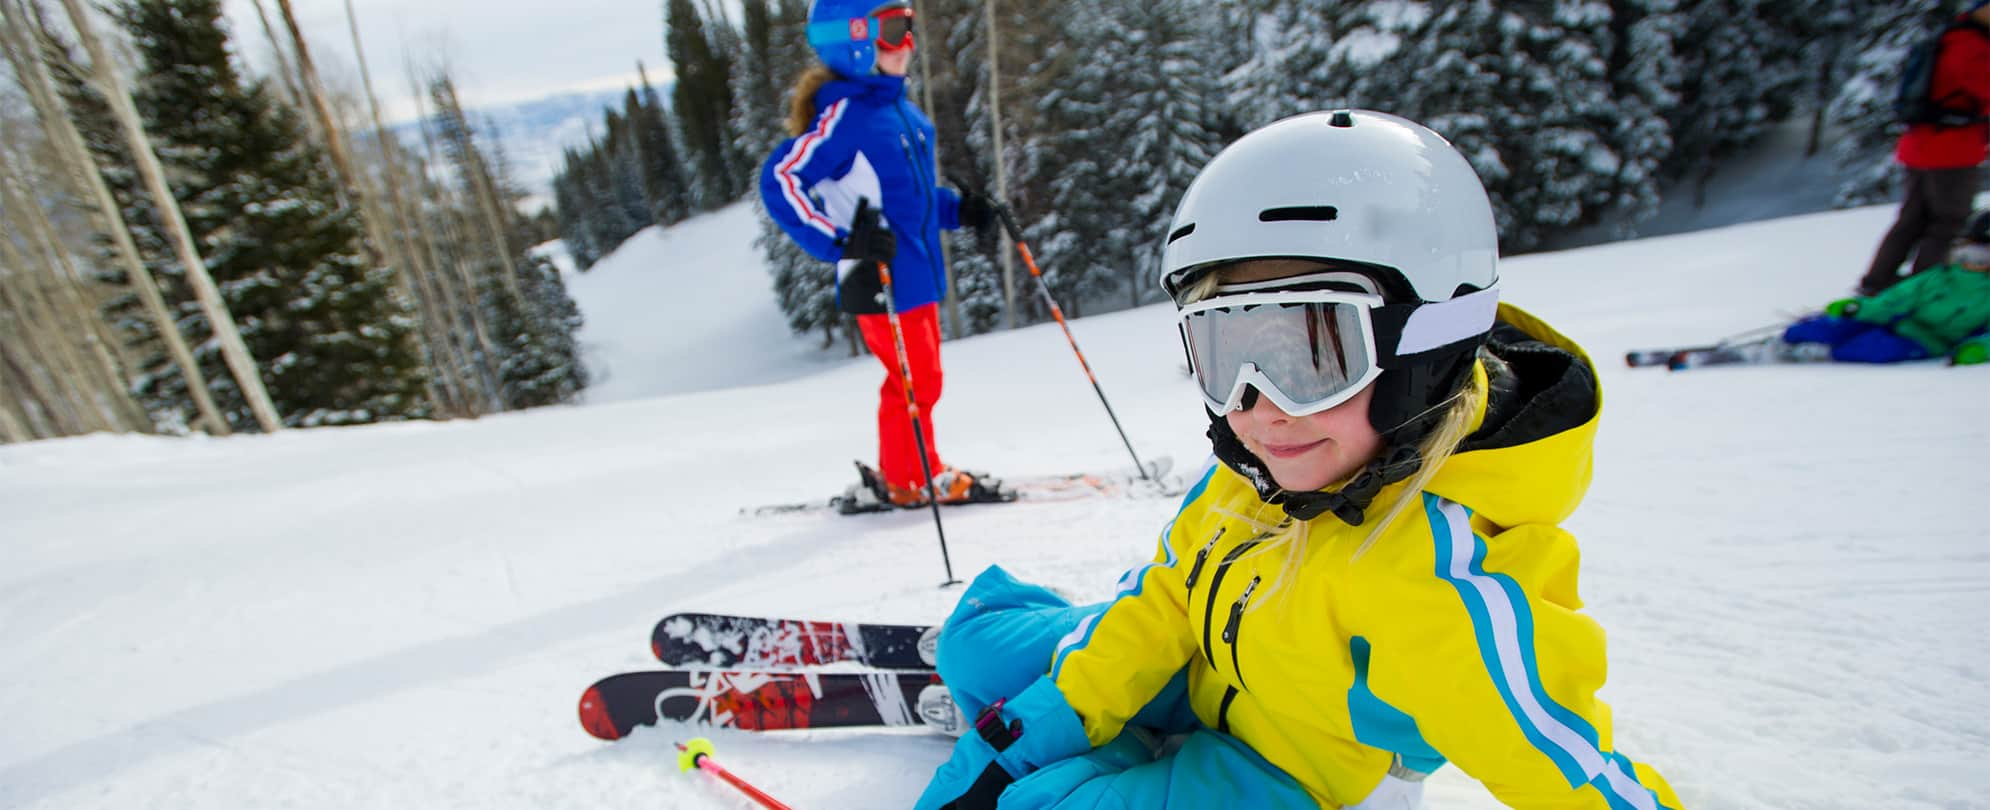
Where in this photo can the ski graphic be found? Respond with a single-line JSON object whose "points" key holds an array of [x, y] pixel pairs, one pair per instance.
{"points": [[756, 700], [727, 642]]}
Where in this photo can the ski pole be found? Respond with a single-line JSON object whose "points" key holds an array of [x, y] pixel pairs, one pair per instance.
{"points": [[1042, 287], [911, 403], [698, 754]]}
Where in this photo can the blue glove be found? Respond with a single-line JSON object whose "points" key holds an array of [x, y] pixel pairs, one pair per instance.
{"points": [[1010, 740]]}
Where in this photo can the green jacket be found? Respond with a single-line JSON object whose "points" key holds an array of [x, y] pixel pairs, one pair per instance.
{"points": [[1939, 307]]}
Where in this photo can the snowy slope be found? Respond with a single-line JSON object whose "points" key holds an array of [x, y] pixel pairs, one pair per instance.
{"points": [[404, 615], [687, 309]]}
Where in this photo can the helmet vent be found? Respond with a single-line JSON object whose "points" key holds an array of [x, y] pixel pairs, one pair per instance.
{"points": [[1181, 232], [1300, 213]]}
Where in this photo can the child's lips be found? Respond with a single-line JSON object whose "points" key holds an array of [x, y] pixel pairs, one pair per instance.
{"points": [[1291, 450]]}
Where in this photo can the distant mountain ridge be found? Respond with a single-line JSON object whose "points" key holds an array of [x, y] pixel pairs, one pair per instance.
{"points": [[535, 132]]}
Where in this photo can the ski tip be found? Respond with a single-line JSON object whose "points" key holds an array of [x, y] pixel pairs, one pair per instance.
{"points": [[594, 716]]}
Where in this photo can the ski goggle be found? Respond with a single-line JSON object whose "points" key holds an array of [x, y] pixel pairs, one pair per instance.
{"points": [[894, 27], [1306, 350]]}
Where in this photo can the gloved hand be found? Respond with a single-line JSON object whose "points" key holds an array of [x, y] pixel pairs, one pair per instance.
{"points": [[1842, 308], [975, 210], [1972, 351], [869, 240], [1009, 741]]}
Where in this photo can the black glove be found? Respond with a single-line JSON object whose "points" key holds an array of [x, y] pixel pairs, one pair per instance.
{"points": [[869, 241], [869, 244], [975, 210]]}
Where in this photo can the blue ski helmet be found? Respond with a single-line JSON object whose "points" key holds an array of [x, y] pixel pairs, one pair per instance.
{"points": [[844, 33]]}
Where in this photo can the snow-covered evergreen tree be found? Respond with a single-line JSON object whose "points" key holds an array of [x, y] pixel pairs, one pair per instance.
{"points": [[1862, 113], [334, 342], [541, 363], [1525, 93], [665, 180], [572, 213], [1123, 145], [702, 102], [756, 86], [1290, 42], [624, 149], [1646, 75], [1741, 75]]}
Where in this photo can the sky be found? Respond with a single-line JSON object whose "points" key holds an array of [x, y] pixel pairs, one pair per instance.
{"points": [[501, 51]]}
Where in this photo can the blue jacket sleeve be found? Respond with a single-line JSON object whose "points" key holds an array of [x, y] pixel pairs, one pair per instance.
{"points": [[799, 163]]}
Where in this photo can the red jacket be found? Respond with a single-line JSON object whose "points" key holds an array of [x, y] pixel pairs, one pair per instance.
{"points": [[1963, 73]]}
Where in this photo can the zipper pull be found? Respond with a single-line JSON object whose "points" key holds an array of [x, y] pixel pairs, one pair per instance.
{"points": [[1202, 557], [1237, 613]]}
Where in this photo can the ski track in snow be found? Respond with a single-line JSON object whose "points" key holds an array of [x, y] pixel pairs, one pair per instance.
{"points": [[405, 615]]}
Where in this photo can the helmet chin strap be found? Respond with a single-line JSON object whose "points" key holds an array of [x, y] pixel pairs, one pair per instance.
{"points": [[1402, 431], [1348, 503]]}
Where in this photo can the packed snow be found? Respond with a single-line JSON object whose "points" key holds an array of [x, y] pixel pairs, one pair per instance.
{"points": [[405, 615]]}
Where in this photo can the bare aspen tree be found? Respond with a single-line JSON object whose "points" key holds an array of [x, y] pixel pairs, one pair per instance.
{"points": [[56, 355], [113, 396], [379, 247], [233, 351], [17, 372], [13, 417], [955, 326], [296, 96], [34, 77], [307, 73], [453, 243], [482, 187], [443, 359], [1001, 169]]}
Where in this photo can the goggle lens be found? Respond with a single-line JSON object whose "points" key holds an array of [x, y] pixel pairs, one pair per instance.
{"points": [[894, 27], [1307, 356]]}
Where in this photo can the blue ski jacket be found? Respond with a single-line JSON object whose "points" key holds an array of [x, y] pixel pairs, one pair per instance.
{"points": [[868, 142]]}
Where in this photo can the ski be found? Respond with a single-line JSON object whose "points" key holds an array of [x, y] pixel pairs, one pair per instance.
{"points": [[758, 700], [1646, 358], [1058, 487], [1772, 350], [727, 642]]}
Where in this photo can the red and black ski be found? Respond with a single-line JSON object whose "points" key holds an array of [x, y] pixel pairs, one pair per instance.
{"points": [[754, 642], [758, 700]]}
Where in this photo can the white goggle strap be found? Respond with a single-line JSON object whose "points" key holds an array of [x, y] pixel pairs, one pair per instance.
{"points": [[1405, 334]]}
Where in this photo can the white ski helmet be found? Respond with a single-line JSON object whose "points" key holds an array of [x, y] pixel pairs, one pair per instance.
{"points": [[1344, 186], [1367, 194]]}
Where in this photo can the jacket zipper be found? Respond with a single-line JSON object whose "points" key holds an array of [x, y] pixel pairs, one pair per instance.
{"points": [[1203, 557], [1236, 621], [1216, 586], [905, 139]]}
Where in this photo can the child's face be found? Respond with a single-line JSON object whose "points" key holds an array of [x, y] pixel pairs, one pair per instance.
{"points": [[894, 62], [1306, 453]]}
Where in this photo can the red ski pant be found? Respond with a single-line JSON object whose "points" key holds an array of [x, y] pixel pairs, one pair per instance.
{"points": [[898, 450]]}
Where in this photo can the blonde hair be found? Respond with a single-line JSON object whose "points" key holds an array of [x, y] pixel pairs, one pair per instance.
{"points": [[1292, 537], [801, 97]]}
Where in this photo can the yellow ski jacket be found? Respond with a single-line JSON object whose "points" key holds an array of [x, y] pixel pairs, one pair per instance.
{"points": [[1456, 637]]}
